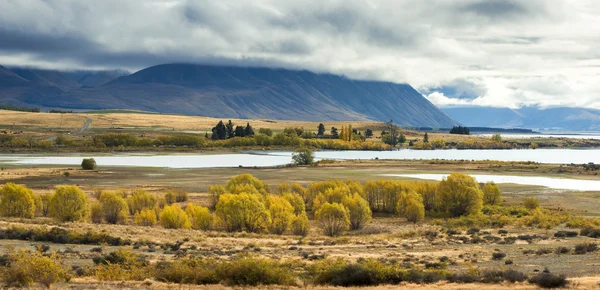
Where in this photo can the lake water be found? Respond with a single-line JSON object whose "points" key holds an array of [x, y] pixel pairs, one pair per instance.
{"points": [[555, 183], [527, 136], [275, 158]]}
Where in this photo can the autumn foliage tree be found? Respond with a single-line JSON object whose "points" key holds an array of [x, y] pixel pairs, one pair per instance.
{"points": [[69, 204], [333, 218], [359, 211], [459, 195], [491, 194], [16, 201], [281, 212], [239, 212]]}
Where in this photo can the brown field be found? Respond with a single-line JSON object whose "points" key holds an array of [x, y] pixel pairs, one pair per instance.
{"points": [[151, 122]]}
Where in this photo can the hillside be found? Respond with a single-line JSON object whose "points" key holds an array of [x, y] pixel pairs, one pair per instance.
{"points": [[562, 118], [250, 93]]}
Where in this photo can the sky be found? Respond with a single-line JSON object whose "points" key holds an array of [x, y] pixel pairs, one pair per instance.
{"points": [[467, 52]]}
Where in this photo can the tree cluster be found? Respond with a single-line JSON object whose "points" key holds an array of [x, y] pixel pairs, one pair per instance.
{"points": [[226, 131], [460, 130]]}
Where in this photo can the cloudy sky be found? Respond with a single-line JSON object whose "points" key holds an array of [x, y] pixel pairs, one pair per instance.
{"points": [[472, 52]]}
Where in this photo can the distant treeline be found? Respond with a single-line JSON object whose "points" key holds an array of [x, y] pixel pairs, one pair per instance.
{"points": [[20, 109], [475, 129], [59, 111]]}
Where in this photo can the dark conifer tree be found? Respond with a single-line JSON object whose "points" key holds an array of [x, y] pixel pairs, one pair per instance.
{"points": [[239, 131], [249, 131], [230, 129], [321, 130]]}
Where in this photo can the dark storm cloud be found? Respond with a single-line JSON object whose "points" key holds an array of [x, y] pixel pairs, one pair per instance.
{"points": [[32, 41]]}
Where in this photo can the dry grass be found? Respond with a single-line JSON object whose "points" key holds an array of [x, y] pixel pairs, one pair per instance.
{"points": [[45, 120], [196, 123]]}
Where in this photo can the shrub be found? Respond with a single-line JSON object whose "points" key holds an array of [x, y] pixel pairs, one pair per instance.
{"points": [[584, 248], [590, 232], [410, 205], [42, 204], [303, 156], [549, 280], [531, 203], [140, 200], [359, 211], [296, 201], [214, 192], [68, 204], [458, 195], [200, 217], [246, 183], [24, 269], [333, 218], [188, 271], [114, 208], [566, 234], [491, 194], [96, 212], [173, 217], [252, 271], [181, 196], [16, 201], [88, 164], [498, 256], [145, 217], [562, 250], [238, 212], [170, 197], [299, 225], [281, 212], [122, 265]]}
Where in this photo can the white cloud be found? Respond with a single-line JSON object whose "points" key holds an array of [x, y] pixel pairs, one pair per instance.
{"points": [[511, 53]]}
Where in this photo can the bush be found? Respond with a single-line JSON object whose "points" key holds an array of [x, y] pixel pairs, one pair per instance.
{"points": [[296, 201], [181, 196], [42, 204], [200, 217], [584, 248], [531, 203], [359, 211], [96, 213], [458, 195], [140, 200], [299, 225], [170, 197], [122, 265], [491, 194], [303, 156], [549, 280], [214, 192], [498, 256], [566, 234], [410, 205], [68, 204], [145, 217], [173, 217], [88, 164], [114, 208], [16, 201], [188, 271], [24, 269], [238, 212], [252, 271], [333, 218], [281, 212]]}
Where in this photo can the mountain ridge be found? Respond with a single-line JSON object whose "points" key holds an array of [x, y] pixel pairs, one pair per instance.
{"points": [[252, 92]]}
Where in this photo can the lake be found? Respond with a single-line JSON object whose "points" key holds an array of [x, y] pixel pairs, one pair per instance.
{"points": [[275, 158], [543, 135], [554, 183]]}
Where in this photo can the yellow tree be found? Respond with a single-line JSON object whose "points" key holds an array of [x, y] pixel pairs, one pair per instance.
{"points": [[281, 212], [68, 204], [333, 218], [458, 195], [16, 201], [359, 211]]}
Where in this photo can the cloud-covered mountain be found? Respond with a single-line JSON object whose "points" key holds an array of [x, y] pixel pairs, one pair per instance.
{"points": [[234, 92], [562, 118]]}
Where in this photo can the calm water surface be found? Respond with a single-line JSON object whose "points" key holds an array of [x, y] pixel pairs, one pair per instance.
{"points": [[555, 183], [275, 158]]}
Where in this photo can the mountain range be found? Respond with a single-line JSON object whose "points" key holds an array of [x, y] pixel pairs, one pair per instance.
{"points": [[553, 119], [221, 91]]}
